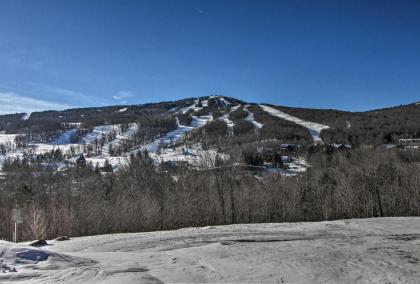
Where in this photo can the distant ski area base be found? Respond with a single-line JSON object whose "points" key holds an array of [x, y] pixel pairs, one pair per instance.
{"points": [[378, 250]]}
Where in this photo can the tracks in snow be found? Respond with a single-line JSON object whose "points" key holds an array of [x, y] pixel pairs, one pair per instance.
{"points": [[379, 250]]}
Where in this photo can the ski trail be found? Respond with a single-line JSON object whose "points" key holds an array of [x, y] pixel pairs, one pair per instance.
{"points": [[26, 116], [251, 118], [125, 136], [64, 138], [175, 135], [229, 123], [97, 133], [314, 128]]}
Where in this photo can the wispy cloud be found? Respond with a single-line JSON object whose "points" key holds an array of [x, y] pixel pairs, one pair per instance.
{"points": [[122, 96], [56, 90], [14, 103], [67, 94]]}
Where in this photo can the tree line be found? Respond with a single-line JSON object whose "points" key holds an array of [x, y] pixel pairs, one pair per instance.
{"points": [[142, 197]]}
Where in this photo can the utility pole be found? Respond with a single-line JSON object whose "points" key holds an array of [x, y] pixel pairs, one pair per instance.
{"points": [[17, 219], [15, 234]]}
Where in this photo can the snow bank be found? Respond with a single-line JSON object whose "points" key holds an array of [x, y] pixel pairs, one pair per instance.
{"points": [[314, 128], [26, 264], [12, 254]]}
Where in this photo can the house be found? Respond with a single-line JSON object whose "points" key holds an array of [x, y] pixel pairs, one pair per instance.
{"points": [[290, 147], [81, 161], [187, 152], [338, 147], [415, 143]]}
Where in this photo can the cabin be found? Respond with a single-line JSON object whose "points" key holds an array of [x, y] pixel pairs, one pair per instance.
{"points": [[415, 143]]}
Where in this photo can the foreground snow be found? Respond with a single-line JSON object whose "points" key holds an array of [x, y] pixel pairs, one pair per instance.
{"points": [[382, 250], [314, 128]]}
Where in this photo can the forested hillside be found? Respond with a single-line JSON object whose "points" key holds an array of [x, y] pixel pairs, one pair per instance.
{"points": [[203, 161]]}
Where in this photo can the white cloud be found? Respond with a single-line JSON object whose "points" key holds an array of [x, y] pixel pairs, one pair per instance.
{"points": [[53, 89], [14, 103], [121, 95], [69, 94]]}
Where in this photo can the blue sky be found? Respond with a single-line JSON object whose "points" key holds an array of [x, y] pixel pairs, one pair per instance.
{"points": [[350, 55]]}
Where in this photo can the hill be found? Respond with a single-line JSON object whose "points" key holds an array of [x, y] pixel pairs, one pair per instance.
{"points": [[203, 161]]}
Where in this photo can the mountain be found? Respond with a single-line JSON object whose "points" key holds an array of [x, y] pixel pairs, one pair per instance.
{"points": [[203, 161], [180, 131]]}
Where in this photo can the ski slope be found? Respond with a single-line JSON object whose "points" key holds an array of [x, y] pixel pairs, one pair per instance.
{"points": [[314, 128], [193, 107], [26, 116], [98, 132], [379, 250], [175, 135], [229, 123], [64, 138], [251, 118], [119, 140]]}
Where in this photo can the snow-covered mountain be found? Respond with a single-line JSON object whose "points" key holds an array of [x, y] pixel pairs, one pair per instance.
{"points": [[176, 131], [210, 161]]}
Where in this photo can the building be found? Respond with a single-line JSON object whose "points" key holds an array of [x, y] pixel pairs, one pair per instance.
{"points": [[409, 142], [81, 161], [290, 147], [338, 147]]}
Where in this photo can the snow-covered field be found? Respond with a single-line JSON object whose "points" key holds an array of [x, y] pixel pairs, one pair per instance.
{"points": [[314, 128], [8, 139], [381, 250], [195, 156]]}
